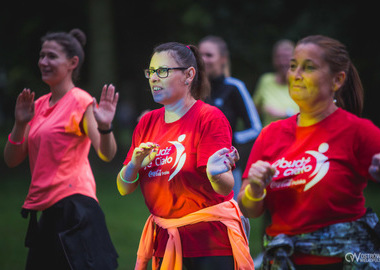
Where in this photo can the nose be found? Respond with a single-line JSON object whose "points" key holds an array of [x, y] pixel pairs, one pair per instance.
{"points": [[298, 73], [42, 60]]}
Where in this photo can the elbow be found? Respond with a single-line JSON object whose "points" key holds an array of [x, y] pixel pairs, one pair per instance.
{"points": [[106, 158], [11, 163]]}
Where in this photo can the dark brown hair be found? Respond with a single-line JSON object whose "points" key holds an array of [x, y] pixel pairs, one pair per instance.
{"points": [[189, 56], [351, 95], [72, 44]]}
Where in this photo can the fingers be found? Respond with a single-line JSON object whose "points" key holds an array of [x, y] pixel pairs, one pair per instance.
{"points": [[148, 146], [116, 99], [261, 173], [145, 148], [26, 96], [374, 169], [108, 94], [376, 160]]}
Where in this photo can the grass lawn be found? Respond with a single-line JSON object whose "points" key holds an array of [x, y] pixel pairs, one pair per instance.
{"points": [[125, 216]]}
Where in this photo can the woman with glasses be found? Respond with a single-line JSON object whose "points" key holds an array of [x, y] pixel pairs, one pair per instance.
{"points": [[181, 155], [56, 132]]}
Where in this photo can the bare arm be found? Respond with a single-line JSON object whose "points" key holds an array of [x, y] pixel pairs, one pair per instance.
{"points": [[127, 178], [16, 148], [100, 117], [252, 192]]}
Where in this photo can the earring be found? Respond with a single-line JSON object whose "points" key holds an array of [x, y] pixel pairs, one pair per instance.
{"points": [[186, 83]]}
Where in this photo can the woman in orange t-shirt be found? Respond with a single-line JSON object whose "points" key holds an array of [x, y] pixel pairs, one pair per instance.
{"points": [[56, 132]]}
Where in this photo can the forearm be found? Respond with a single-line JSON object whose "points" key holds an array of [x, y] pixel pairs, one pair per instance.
{"points": [[127, 179], [107, 147], [16, 152], [222, 183], [251, 208]]}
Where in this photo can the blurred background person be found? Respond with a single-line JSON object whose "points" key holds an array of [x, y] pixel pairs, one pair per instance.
{"points": [[231, 96], [310, 169], [55, 132], [271, 95]]}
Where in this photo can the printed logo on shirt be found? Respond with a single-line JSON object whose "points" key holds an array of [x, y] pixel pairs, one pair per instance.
{"points": [[164, 156], [180, 155], [307, 171]]}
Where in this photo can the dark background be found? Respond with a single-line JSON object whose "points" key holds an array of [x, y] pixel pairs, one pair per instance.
{"points": [[121, 35]]}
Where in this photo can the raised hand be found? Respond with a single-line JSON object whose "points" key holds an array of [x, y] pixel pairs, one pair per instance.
{"points": [[222, 161], [24, 110], [105, 111], [144, 154]]}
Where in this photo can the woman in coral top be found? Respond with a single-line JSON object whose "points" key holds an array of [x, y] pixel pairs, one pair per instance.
{"points": [[310, 170], [181, 155], [56, 132]]}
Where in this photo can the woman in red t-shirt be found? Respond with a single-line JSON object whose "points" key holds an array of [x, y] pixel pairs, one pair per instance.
{"points": [[181, 155], [310, 170]]}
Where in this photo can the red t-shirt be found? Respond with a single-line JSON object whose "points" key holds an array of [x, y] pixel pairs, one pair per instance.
{"points": [[175, 183], [321, 170]]}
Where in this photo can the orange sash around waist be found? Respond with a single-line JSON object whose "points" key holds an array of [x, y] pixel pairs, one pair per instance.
{"points": [[227, 212]]}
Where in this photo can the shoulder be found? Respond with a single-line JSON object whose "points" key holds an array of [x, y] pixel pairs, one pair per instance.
{"points": [[42, 99], [287, 125], [234, 81], [207, 110], [80, 95], [206, 113], [351, 120], [151, 117], [267, 77], [237, 84]]}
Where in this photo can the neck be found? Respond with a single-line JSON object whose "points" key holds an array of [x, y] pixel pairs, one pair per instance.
{"points": [[174, 112], [59, 90], [311, 117]]}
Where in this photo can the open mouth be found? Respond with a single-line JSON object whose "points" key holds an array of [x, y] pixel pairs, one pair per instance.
{"points": [[156, 88]]}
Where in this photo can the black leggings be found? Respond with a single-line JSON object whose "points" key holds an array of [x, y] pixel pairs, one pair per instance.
{"points": [[207, 263], [335, 266]]}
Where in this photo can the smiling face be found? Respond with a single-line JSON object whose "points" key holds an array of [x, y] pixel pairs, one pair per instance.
{"points": [[54, 65], [171, 89], [311, 83]]}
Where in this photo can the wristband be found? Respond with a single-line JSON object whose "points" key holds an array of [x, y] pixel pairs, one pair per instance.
{"points": [[126, 181], [214, 181], [102, 131], [249, 197], [15, 143]]}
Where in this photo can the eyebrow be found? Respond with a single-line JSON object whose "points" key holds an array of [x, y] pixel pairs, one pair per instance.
{"points": [[165, 66]]}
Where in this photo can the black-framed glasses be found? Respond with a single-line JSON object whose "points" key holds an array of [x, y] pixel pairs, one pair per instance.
{"points": [[162, 72]]}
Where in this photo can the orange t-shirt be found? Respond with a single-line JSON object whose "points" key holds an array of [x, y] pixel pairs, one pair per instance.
{"points": [[58, 151]]}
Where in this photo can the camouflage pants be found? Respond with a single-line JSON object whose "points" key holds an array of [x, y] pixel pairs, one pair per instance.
{"points": [[357, 242]]}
